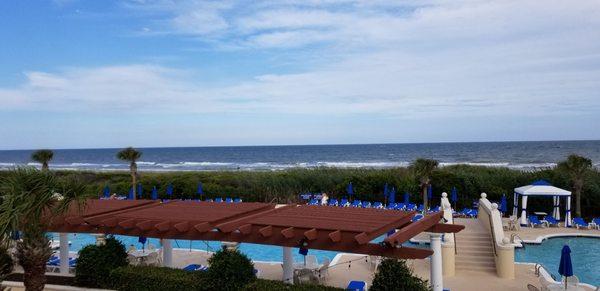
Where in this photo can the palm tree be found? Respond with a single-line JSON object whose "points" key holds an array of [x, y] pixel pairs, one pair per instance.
{"points": [[576, 167], [131, 155], [43, 157], [30, 202], [423, 169]]}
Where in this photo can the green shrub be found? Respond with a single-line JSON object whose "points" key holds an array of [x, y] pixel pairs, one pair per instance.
{"points": [[95, 263], [230, 270], [395, 275], [269, 285], [138, 278]]}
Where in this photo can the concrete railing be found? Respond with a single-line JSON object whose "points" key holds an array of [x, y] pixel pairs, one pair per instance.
{"points": [[504, 251]]}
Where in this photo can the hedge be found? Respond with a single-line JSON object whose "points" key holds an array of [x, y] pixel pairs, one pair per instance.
{"points": [[269, 285], [138, 278]]}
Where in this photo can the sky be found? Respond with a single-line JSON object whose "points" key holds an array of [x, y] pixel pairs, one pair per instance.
{"points": [[152, 73]]}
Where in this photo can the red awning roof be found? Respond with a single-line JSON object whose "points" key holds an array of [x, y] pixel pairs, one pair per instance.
{"points": [[316, 227]]}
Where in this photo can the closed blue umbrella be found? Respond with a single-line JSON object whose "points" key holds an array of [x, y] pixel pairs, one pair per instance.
{"points": [[170, 190], [429, 192], [140, 190], [154, 193], [106, 192], [406, 198], [503, 203], [385, 192], [566, 267], [392, 195], [350, 189], [454, 195], [142, 240], [200, 191], [130, 195]]}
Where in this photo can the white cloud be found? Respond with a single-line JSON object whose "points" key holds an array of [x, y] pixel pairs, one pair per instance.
{"points": [[448, 58]]}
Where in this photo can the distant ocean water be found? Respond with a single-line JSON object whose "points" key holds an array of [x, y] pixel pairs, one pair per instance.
{"points": [[517, 155]]}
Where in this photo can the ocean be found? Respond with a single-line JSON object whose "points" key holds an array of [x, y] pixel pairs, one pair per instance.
{"points": [[516, 155]]}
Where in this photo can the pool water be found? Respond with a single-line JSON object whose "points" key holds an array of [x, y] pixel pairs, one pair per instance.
{"points": [[255, 252], [585, 255]]}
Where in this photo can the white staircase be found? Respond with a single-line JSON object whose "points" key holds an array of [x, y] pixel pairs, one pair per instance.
{"points": [[474, 247]]}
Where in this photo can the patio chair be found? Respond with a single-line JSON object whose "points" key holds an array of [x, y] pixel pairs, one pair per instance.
{"points": [[195, 267], [378, 205], [580, 223], [333, 202], [534, 221], [596, 223], [344, 203], [551, 221], [417, 217], [323, 272], [357, 286], [356, 203], [312, 262], [133, 260]]}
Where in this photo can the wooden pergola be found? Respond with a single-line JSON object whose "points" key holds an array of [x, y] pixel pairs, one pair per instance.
{"points": [[342, 229]]}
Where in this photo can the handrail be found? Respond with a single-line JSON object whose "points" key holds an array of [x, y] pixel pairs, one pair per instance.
{"points": [[493, 234], [512, 239]]}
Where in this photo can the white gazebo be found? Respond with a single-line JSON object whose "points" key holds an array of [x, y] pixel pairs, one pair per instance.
{"points": [[542, 188]]}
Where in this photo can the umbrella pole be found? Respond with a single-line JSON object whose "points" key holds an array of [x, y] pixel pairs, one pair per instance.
{"points": [[566, 279]]}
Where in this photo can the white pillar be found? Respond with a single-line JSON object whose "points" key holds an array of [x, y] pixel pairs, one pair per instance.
{"points": [[515, 204], [167, 253], [556, 212], [568, 212], [288, 265], [524, 210], [436, 277], [64, 253]]}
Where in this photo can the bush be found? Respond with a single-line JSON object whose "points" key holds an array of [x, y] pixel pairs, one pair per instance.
{"points": [[269, 285], [395, 275], [95, 263], [230, 270], [137, 278]]}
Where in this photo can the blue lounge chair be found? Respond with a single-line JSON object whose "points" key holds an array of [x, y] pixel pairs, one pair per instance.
{"points": [[344, 203], [219, 199], [313, 202], [534, 221], [400, 206], [392, 206], [435, 209], [357, 286], [596, 222], [237, 200], [378, 205], [356, 203], [579, 222], [228, 200], [333, 202], [195, 267], [420, 208], [366, 204], [551, 221], [208, 200], [417, 217], [411, 207]]}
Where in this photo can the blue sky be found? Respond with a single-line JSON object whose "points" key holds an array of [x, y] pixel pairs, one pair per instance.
{"points": [[80, 74]]}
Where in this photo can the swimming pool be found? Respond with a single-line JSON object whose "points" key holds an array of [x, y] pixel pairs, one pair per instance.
{"points": [[585, 254], [255, 252]]}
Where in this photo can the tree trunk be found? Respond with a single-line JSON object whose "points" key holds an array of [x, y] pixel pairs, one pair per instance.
{"points": [[133, 170], [33, 253], [45, 166], [424, 198]]}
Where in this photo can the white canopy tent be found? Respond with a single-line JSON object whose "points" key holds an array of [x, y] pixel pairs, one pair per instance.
{"points": [[542, 188]]}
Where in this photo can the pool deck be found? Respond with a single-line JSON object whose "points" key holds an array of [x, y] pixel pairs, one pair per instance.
{"points": [[538, 234]]}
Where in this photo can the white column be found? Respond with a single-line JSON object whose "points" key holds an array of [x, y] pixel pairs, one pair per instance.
{"points": [[568, 212], [167, 253], [288, 265], [557, 208], [64, 253], [436, 277], [515, 204], [524, 210]]}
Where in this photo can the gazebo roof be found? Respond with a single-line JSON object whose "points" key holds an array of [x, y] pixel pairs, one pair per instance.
{"points": [[316, 227], [541, 188]]}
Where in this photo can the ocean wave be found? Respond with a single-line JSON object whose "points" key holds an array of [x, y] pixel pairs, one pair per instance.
{"points": [[363, 164]]}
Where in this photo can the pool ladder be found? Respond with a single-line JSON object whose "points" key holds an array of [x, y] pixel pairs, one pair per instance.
{"points": [[537, 271]]}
